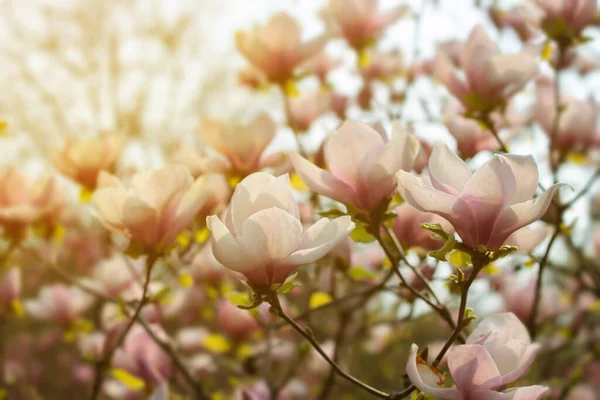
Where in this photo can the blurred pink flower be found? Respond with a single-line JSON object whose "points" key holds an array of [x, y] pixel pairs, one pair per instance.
{"points": [[363, 163], [306, 108], [497, 353], [577, 125], [485, 207], [471, 137], [570, 15], [263, 237], [491, 78], [82, 160], [320, 66], [241, 145], [23, 202], [360, 22], [407, 227], [237, 323], [383, 66], [142, 357], [155, 209], [59, 303], [276, 47], [10, 287]]}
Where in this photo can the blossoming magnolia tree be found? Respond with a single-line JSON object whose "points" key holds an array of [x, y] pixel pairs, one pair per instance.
{"points": [[369, 257]]}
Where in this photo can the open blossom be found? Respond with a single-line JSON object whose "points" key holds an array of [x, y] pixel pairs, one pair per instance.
{"points": [[471, 137], [363, 163], [360, 22], [577, 124], [485, 207], [382, 66], [306, 108], [276, 48], [82, 160], [490, 76], [497, 353], [573, 15], [23, 202], [263, 237], [155, 209], [320, 66], [59, 303], [116, 275], [242, 145], [407, 227]]}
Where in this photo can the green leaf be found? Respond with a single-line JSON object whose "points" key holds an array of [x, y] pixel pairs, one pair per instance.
{"points": [[332, 213], [361, 235], [460, 259], [446, 248], [319, 299], [359, 274]]}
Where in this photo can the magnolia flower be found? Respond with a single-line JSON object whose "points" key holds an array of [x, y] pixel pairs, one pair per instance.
{"points": [[360, 22], [383, 66], [141, 356], [497, 353], [155, 209], [407, 227], [576, 129], [23, 202], [471, 137], [484, 207], [117, 274], [10, 286], [567, 17], [276, 48], [490, 77], [524, 18], [306, 108], [241, 145], [59, 303], [363, 163], [263, 237], [234, 321], [320, 66], [82, 160]]}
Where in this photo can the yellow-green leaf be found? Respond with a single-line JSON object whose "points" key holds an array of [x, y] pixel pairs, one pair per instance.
{"points": [[132, 382], [360, 235], [460, 259], [319, 299], [358, 274]]}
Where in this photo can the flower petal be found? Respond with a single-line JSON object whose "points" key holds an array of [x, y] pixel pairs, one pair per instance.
{"points": [[473, 369], [518, 215], [447, 171], [260, 191], [233, 255], [524, 393], [416, 367], [321, 181], [141, 221], [488, 192], [503, 326], [527, 175], [271, 234]]}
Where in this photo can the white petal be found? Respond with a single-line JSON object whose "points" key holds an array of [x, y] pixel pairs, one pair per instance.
{"points": [[447, 171], [527, 175], [524, 393], [415, 367]]}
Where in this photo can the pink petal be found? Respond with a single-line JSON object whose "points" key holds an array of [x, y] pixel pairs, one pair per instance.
{"points": [[524, 393], [447, 171], [473, 369]]}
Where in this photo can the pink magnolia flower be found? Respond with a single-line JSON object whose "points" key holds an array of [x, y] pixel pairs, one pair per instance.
{"points": [[577, 122], [573, 15], [497, 353], [82, 160], [241, 145], [490, 76], [155, 209], [276, 48], [59, 303], [524, 18], [23, 202], [360, 22], [320, 66], [306, 108], [484, 207], [383, 66], [236, 322], [142, 357], [363, 163], [407, 227], [10, 286], [115, 275], [471, 137], [263, 237]]}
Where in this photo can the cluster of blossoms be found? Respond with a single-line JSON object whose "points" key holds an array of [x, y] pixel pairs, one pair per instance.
{"points": [[378, 262]]}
